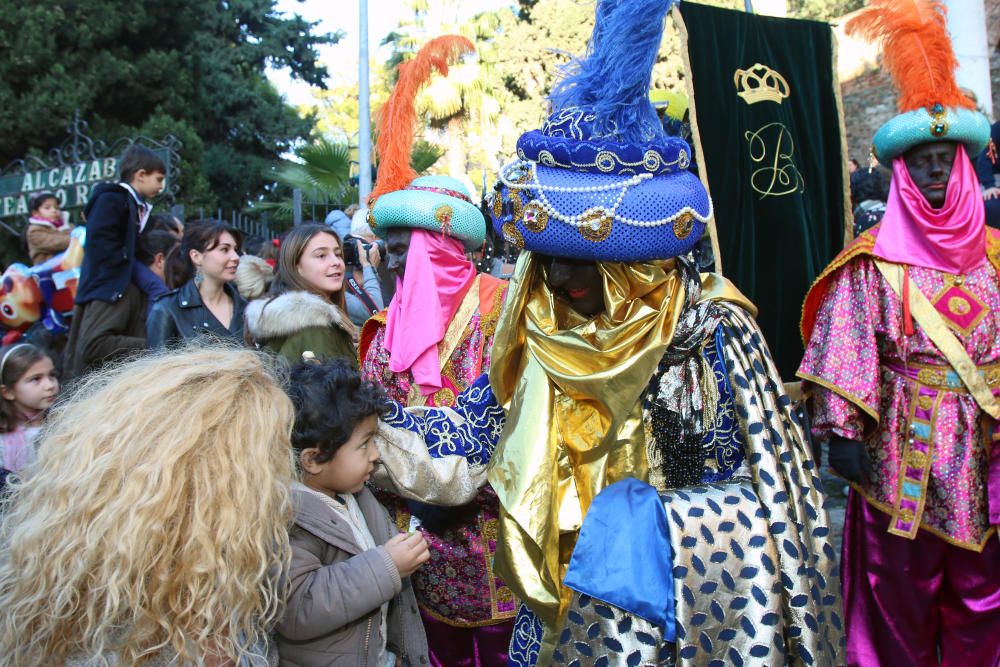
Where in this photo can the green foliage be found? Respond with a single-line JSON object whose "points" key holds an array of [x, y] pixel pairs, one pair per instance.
{"points": [[323, 174], [480, 109], [424, 155], [190, 67], [194, 186]]}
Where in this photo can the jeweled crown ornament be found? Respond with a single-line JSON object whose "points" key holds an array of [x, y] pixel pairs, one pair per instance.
{"points": [[601, 180]]}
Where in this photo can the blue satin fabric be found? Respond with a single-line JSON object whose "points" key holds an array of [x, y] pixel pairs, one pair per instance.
{"points": [[623, 555]]}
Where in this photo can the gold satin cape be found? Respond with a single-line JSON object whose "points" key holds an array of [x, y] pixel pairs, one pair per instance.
{"points": [[572, 386]]}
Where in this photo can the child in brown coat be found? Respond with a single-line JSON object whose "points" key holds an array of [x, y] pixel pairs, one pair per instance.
{"points": [[350, 599], [47, 233]]}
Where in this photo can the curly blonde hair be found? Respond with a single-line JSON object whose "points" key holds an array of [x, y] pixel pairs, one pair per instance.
{"points": [[154, 522]]}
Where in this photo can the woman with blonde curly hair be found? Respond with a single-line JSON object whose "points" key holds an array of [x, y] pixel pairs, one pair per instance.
{"points": [[152, 529]]}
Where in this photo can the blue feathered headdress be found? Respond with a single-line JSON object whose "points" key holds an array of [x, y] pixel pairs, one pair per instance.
{"points": [[601, 180], [612, 81]]}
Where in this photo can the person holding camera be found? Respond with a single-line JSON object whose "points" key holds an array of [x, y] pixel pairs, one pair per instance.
{"points": [[363, 254]]}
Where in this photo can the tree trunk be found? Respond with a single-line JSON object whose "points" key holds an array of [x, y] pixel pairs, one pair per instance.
{"points": [[456, 152]]}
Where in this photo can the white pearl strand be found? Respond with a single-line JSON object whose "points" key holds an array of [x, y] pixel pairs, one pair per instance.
{"points": [[579, 220]]}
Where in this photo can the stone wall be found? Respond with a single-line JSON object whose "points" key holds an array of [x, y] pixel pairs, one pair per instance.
{"points": [[869, 101]]}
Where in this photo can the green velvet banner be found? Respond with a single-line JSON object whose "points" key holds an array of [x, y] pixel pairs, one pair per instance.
{"points": [[765, 104]]}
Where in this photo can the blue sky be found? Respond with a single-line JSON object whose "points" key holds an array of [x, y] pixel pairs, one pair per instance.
{"points": [[341, 59]]}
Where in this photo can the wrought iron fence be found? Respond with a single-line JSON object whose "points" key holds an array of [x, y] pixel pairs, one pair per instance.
{"points": [[251, 226], [71, 169]]}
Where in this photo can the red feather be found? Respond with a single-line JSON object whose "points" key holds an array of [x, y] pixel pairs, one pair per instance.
{"points": [[397, 119], [916, 50]]}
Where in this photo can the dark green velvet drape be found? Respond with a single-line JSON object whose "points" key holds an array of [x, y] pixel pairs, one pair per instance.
{"points": [[774, 161]]}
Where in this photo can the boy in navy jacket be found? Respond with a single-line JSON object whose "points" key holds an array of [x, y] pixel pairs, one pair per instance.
{"points": [[116, 214], [109, 319]]}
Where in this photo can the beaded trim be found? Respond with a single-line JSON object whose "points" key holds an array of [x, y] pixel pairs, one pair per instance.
{"points": [[681, 446], [512, 175], [601, 157], [440, 191]]}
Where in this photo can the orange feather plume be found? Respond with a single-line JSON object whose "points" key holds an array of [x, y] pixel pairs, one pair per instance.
{"points": [[916, 50], [397, 119]]}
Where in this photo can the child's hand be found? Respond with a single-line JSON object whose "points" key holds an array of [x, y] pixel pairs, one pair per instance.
{"points": [[408, 552]]}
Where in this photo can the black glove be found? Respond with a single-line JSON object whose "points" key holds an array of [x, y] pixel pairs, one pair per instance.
{"points": [[849, 459]]}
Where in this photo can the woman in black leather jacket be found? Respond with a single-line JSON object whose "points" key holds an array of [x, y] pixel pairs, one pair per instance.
{"points": [[206, 303]]}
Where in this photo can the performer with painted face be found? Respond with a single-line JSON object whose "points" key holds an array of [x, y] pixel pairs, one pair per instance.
{"points": [[657, 501], [902, 357], [426, 348]]}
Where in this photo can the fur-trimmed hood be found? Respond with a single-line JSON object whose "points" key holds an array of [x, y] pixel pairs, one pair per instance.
{"points": [[292, 312]]}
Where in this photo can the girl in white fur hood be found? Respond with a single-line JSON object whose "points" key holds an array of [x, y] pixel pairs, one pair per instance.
{"points": [[305, 309]]}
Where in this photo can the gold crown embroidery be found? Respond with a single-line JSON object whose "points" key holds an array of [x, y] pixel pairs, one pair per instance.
{"points": [[760, 83]]}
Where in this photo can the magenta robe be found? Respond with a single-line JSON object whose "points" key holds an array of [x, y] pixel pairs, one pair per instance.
{"points": [[457, 590]]}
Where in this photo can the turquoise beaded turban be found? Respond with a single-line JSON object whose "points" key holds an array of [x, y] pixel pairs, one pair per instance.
{"points": [[917, 52], [436, 203], [921, 126]]}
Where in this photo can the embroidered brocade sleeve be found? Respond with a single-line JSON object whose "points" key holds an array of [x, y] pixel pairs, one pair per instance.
{"points": [[471, 428], [439, 455], [841, 362], [375, 368], [832, 414], [409, 471]]}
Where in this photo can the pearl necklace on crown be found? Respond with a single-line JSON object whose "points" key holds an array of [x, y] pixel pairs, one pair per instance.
{"points": [[626, 184], [586, 218]]}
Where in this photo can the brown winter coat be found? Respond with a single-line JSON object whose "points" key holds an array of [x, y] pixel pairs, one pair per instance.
{"points": [[45, 242], [336, 592]]}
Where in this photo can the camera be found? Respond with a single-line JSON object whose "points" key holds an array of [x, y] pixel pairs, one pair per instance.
{"points": [[351, 249]]}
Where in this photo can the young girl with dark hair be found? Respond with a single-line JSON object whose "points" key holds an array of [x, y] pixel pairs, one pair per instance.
{"points": [[206, 303], [46, 234], [350, 597], [306, 312], [28, 388]]}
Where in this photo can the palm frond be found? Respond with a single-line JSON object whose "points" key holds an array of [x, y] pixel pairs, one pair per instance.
{"points": [[440, 99], [424, 155], [279, 212], [327, 164]]}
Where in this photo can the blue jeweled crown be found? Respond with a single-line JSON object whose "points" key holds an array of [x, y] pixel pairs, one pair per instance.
{"points": [[601, 180]]}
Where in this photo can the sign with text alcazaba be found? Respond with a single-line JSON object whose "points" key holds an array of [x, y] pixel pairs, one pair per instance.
{"points": [[72, 170], [769, 140]]}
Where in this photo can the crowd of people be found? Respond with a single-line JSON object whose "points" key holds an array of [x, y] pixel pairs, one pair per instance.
{"points": [[359, 445]]}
